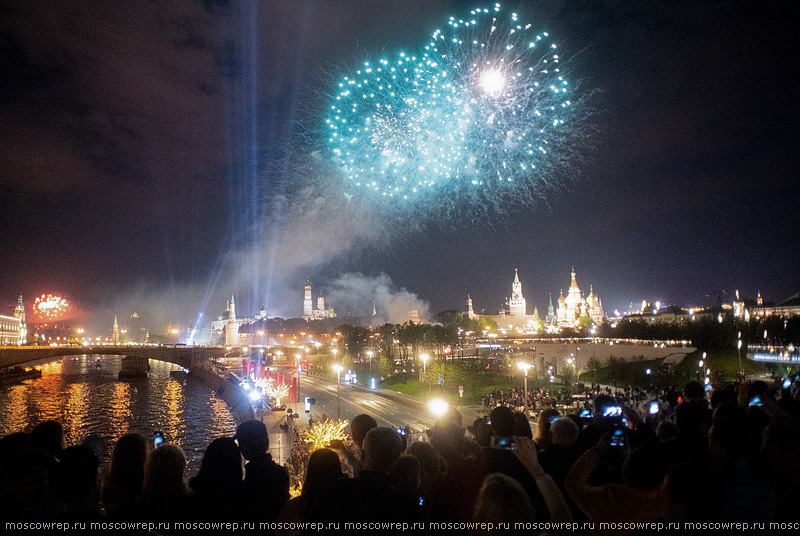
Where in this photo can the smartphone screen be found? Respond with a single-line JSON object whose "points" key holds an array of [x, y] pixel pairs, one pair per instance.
{"points": [[653, 408], [158, 438], [618, 438], [505, 443]]}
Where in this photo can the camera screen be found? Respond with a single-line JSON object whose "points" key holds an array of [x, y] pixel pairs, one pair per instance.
{"points": [[612, 411], [506, 443]]}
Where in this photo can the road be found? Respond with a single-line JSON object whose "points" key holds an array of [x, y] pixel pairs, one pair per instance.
{"points": [[356, 400]]}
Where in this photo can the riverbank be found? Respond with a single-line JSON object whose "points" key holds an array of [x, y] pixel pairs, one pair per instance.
{"points": [[233, 395]]}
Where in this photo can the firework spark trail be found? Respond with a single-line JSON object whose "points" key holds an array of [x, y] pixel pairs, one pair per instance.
{"points": [[49, 307], [481, 115]]}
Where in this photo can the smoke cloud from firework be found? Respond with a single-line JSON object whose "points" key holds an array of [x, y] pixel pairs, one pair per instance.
{"points": [[351, 292]]}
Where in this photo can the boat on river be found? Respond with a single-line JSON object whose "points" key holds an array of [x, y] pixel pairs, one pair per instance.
{"points": [[18, 374]]}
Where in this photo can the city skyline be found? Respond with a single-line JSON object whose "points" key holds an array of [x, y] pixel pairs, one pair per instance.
{"points": [[157, 160]]}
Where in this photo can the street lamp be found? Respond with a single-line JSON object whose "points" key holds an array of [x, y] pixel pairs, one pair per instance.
{"points": [[438, 407], [739, 348], [424, 358], [524, 368], [369, 353], [338, 368], [297, 393]]}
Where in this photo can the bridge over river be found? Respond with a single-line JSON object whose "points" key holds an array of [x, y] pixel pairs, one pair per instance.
{"points": [[187, 357]]}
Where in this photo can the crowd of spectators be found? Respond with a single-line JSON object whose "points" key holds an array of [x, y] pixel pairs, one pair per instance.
{"points": [[731, 457]]}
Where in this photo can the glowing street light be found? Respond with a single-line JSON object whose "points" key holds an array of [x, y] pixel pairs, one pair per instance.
{"points": [[369, 353], [438, 407], [739, 348], [524, 367], [297, 394], [338, 368], [424, 358]]}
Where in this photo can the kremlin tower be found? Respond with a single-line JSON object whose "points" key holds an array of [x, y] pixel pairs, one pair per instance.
{"points": [[19, 312], [517, 303], [232, 326], [115, 332]]}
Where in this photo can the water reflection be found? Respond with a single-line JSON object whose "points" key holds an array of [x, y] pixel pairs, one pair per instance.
{"points": [[91, 400]]}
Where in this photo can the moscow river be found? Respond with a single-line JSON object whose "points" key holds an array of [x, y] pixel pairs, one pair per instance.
{"points": [[87, 400]]}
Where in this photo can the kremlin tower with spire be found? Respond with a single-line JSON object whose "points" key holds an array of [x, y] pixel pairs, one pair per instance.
{"points": [[232, 326], [517, 303]]}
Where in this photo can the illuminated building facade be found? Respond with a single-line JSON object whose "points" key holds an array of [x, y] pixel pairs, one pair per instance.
{"points": [[318, 313], [787, 308], [10, 331], [574, 307]]}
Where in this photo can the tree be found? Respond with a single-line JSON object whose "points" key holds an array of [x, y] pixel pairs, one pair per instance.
{"points": [[616, 366], [386, 334], [450, 318], [411, 336], [593, 365], [384, 367], [354, 338], [444, 336], [568, 376], [448, 376]]}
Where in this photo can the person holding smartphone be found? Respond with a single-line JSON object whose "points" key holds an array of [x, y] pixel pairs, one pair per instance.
{"points": [[639, 498]]}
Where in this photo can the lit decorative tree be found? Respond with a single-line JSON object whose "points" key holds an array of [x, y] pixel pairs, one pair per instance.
{"points": [[278, 391], [322, 433], [272, 389]]}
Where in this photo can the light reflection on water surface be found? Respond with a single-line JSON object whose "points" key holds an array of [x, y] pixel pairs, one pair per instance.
{"points": [[91, 400]]}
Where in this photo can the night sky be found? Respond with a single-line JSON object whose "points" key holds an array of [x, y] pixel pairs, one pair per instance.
{"points": [[153, 157]]}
